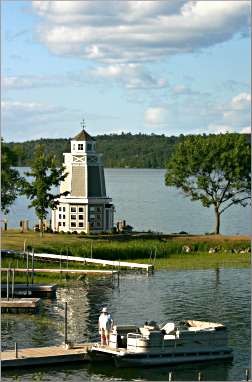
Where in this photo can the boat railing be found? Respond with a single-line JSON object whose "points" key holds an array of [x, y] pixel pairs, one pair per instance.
{"points": [[134, 335]]}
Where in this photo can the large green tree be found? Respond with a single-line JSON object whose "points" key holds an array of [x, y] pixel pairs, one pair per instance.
{"points": [[45, 174], [9, 178], [213, 169]]}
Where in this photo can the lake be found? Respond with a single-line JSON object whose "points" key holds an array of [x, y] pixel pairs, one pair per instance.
{"points": [[142, 199], [218, 296]]}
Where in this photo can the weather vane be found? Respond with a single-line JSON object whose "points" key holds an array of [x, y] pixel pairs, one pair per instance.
{"points": [[83, 124]]}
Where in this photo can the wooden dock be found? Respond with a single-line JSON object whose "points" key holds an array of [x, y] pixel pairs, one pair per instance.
{"points": [[19, 304], [88, 260], [30, 289], [44, 356], [60, 270]]}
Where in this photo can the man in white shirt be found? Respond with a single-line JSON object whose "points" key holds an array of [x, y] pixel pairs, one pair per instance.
{"points": [[105, 325]]}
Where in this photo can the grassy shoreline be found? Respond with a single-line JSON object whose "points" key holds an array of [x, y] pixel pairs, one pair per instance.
{"points": [[165, 251]]}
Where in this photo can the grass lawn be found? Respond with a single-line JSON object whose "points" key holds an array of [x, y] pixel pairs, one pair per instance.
{"points": [[165, 251]]}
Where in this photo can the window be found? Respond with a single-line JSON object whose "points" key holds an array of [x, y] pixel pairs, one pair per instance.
{"points": [[73, 217], [73, 224], [80, 224], [92, 208], [81, 217], [59, 208], [63, 216], [73, 209], [63, 209], [59, 223], [89, 146], [63, 224], [81, 209], [99, 209], [80, 146], [59, 216]]}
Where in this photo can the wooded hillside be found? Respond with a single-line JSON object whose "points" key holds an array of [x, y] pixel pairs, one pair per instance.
{"points": [[125, 150]]}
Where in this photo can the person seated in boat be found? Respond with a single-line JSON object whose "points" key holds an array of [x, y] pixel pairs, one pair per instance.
{"points": [[105, 325]]}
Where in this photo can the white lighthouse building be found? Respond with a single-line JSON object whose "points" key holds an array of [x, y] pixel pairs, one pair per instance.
{"points": [[86, 208]]}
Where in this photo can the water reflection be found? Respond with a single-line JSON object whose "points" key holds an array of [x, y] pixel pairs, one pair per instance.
{"points": [[214, 295]]}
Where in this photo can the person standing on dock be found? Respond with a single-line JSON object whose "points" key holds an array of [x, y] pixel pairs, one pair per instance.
{"points": [[105, 325]]}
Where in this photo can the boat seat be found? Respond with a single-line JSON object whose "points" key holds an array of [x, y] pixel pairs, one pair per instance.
{"points": [[169, 327]]}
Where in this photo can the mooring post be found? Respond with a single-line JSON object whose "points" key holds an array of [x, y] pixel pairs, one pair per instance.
{"points": [[91, 250], [16, 350], [247, 375], [27, 272], [67, 258], [170, 376], [7, 284], [200, 376], [13, 283], [118, 274], [24, 245], [60, 258], [32, 265], [65, 324]]}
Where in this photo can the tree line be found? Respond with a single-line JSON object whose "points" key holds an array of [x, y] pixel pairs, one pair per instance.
{"points": [[124, 150]]}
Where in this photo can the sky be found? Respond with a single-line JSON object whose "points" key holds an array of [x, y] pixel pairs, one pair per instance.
{"points": [[155, 67]]}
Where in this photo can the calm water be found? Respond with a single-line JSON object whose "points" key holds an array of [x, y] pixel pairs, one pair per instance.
{"points": [[222, 296], [141, 198]]}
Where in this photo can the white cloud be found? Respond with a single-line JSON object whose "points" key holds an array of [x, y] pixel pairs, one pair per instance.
{"points": [[137, 31], [133, 76], [154, 115], [246, 130], [219, 129], [241, 101], [23, 120], [31, 82], [237, 112]]}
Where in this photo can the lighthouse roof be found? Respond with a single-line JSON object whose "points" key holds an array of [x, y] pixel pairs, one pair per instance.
{"points": [[83, 136]]}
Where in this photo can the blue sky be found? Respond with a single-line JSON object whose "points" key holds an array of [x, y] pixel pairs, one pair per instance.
{"points": [[164, 67]]}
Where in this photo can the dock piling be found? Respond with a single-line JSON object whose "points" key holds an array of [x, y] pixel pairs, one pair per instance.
{"points": [[118, 274], [27, 272], [65, 325], [170, 376], [13, 283], [200, 376], [247, 375], [7, 283], [16, 350], [32, 265]]}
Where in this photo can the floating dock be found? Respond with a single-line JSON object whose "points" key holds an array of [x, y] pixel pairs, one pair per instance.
{"points": [[44, 356], [60, 270], [87, 260], [19, 304], [30, 289]]}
